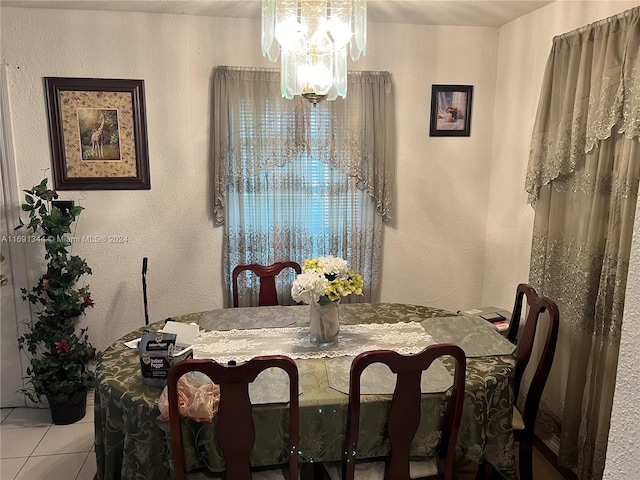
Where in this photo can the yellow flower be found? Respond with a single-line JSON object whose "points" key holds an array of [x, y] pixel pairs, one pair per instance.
{"points": [[311, 264], [341, 281]]}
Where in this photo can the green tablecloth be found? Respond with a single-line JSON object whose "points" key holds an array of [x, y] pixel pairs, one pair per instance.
{"points": [[132, 444]]}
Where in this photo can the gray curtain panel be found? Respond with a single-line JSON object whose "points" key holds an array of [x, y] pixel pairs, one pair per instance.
{"points": [[582, 178]]}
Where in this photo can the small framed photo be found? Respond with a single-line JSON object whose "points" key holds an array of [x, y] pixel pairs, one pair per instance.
{"points": [[450, 110], [98, 134]]}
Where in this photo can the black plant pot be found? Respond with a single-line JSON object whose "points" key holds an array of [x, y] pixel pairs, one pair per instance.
{"points": [[69, 412]]}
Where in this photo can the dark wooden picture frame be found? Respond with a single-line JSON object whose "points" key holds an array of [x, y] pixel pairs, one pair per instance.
{"points": [[98, 133], [451, 110]]}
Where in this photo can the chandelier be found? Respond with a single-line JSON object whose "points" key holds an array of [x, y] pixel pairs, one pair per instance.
{"points": [[312, 38]]}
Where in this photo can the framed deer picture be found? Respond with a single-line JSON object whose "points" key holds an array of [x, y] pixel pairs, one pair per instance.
{"points": [[98, 133]]}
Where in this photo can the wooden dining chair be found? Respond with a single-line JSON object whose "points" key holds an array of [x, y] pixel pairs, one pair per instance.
{"points": [[267, 295], [235, 430], [524, 422], [404, 417]]}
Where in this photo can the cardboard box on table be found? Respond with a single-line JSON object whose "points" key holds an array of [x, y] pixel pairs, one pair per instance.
{"points": [[159, 350]]}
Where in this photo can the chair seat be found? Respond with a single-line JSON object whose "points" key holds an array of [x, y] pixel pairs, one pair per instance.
{"points": [[276, 474], [269, 475], [518, 422], [375, 470]]}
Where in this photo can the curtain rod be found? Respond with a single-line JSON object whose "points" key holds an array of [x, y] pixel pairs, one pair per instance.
{"points": [[228, 68], [599, 23]]}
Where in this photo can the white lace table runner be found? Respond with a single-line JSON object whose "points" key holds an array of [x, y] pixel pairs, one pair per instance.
{"points": [[242, 345]]}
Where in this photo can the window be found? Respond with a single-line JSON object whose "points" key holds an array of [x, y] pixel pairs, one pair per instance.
{"points": [[295, 181]]}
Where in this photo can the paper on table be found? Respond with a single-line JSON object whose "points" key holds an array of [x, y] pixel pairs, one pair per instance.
{"points": [[133, 343], [185, 332], [186, 335]]}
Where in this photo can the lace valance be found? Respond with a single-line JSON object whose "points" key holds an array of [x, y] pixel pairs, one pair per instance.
{"points": [[591, 90], [256, 130]]}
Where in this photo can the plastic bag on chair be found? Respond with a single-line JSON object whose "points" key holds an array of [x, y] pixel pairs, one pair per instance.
{"points": [[198, 398]]}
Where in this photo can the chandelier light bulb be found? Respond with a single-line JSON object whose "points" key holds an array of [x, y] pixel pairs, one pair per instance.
{"points": [[340, 32], [312, 37], [289, 35]]}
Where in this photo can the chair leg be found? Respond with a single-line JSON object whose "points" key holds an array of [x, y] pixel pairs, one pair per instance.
{"points": [[319, 471], [525, 458], [464, 468], [485, 471], [312, 471]]}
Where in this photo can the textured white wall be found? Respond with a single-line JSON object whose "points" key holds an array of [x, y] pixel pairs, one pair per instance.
{"points": [[442, 182], [433, 251], [623, 450]]}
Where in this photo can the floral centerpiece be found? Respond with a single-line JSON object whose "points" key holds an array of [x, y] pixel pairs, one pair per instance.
{"points": [[61, 355], [322, 283]]}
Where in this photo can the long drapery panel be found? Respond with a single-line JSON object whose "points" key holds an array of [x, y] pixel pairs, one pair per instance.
{"points": [[295, 181], [583, 176]]}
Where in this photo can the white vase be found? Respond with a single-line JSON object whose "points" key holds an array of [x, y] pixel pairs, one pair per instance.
{"points": [[324, 323]]}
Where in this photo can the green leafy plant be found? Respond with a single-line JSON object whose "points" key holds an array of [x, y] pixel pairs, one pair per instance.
{"points": [[61, 354]]}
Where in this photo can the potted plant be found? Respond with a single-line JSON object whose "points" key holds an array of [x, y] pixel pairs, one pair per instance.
{"points": [[61, 354]]}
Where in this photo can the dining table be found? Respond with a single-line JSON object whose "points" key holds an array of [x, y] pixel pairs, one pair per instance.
{"points": [[132, 443]]}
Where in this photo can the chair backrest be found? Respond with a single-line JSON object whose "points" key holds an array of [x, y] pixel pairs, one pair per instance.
{"points": [[235, 430], [404, 413], [268, 295], [537, 305]]}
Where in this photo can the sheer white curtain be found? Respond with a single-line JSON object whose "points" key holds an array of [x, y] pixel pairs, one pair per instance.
{"points": [[293, 181], [583, 176], [459, 101]]}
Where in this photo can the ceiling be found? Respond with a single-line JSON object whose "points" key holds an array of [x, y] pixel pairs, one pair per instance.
{"points": [[492, 13]]}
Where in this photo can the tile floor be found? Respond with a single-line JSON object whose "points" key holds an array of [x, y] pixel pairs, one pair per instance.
{"points": [[32, 448]]}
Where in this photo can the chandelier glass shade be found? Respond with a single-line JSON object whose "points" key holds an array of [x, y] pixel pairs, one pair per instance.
{"points": [[312, 38]]}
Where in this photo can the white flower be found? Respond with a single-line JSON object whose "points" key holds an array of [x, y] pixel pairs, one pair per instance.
{"points": [[308, 287], [333, 266], [325, 279]]}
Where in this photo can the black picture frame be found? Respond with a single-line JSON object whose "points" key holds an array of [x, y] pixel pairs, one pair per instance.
{"points": [[451, 110], [98, 133]]}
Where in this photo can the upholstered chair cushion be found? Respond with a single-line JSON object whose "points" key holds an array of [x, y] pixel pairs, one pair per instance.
{"points": [[375, 470]]}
